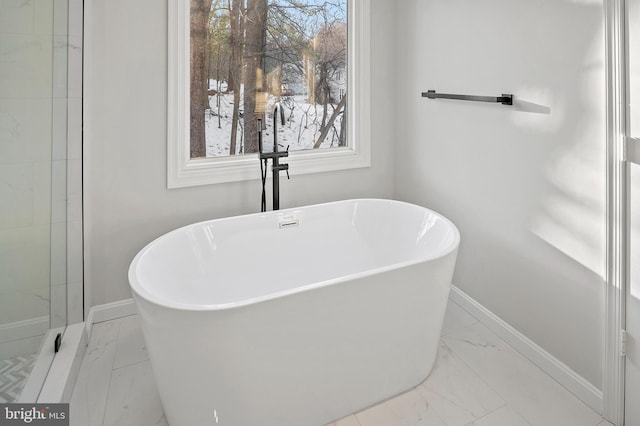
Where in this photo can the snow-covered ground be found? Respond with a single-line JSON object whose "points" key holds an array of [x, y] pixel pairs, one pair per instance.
{"points": [[301, 130]]}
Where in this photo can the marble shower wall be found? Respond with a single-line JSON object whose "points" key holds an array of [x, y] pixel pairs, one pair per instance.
{"points": [[26, 167], [40, 163]]}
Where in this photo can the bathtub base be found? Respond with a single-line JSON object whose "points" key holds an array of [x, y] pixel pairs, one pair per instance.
{"points": [[305, 359]]}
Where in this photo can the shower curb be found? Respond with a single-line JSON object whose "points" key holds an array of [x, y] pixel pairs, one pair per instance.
{"points": [[65, 367]]}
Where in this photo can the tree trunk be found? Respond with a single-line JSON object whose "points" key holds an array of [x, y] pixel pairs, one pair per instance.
{"points": [[325, 130], [235, 68], [321, 97], [199, 79], [255, 43], [342, 140]]}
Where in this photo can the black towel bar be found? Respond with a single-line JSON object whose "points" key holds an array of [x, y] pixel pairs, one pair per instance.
{"points": [[505, 99]]}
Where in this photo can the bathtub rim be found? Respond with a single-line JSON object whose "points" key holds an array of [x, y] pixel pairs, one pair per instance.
{"points": [[138, 289]]}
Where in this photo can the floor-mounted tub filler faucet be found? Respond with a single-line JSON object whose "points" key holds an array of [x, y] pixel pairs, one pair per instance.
{"points": [[276, 167]]}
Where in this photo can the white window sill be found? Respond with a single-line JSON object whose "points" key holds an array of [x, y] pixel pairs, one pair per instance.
{"points": [[247, 167]]}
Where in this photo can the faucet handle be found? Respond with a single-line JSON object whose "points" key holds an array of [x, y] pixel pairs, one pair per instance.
{"points": [[287, 169], [282, 167]]}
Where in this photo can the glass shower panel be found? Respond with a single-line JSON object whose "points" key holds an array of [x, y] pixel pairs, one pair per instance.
{"points": [[633, 70], [59, 163], [33, 153]]}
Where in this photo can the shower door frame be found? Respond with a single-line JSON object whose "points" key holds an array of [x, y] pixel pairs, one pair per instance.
{"points": [[617, 224], [53, 377], [622, 151]]}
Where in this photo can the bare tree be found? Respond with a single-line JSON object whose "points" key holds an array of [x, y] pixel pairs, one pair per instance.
{"points": [[199, 80], [219, 52], [330, 57], [265, 49], [235, 67], [324, 131], [254, 52]]}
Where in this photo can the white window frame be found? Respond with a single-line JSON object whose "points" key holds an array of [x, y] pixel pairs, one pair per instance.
{"points": [[182, 171]]}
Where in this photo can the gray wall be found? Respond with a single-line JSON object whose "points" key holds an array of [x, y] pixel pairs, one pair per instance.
{"points": [[127, 203], [525, 184]]}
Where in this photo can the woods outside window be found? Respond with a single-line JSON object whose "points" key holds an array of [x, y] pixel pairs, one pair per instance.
{"points": [[230, 61]]}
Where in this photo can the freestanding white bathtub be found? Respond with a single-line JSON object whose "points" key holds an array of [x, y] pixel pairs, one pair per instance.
{"points": [[295, 317]]}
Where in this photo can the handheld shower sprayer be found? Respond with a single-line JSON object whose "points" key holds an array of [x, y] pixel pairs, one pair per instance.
{"points": [[275, 156]]}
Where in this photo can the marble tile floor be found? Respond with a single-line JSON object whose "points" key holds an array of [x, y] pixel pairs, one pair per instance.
{"points": [[13, 376], [478, 380]]}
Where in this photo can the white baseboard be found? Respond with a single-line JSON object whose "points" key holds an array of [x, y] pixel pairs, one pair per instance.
{"points": [[28, 345], [555, 368], [24, 329], [110, 311], [23, 337]]}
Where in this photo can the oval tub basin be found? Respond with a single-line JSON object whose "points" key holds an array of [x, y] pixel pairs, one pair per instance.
{"points": [[294, 317]]}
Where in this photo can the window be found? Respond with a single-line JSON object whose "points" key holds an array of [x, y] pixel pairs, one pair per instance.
{"points": [[311, 56]]}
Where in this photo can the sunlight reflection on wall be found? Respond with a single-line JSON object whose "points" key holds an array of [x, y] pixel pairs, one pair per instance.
{"points": [[634, 256], [571, 213]]}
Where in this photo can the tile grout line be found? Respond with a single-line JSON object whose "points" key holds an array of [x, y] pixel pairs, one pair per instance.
{"points": [[106, 400], [506, 405], [504, 401], [482, 379], [461, 327], [519, 354], [129, 365]]}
